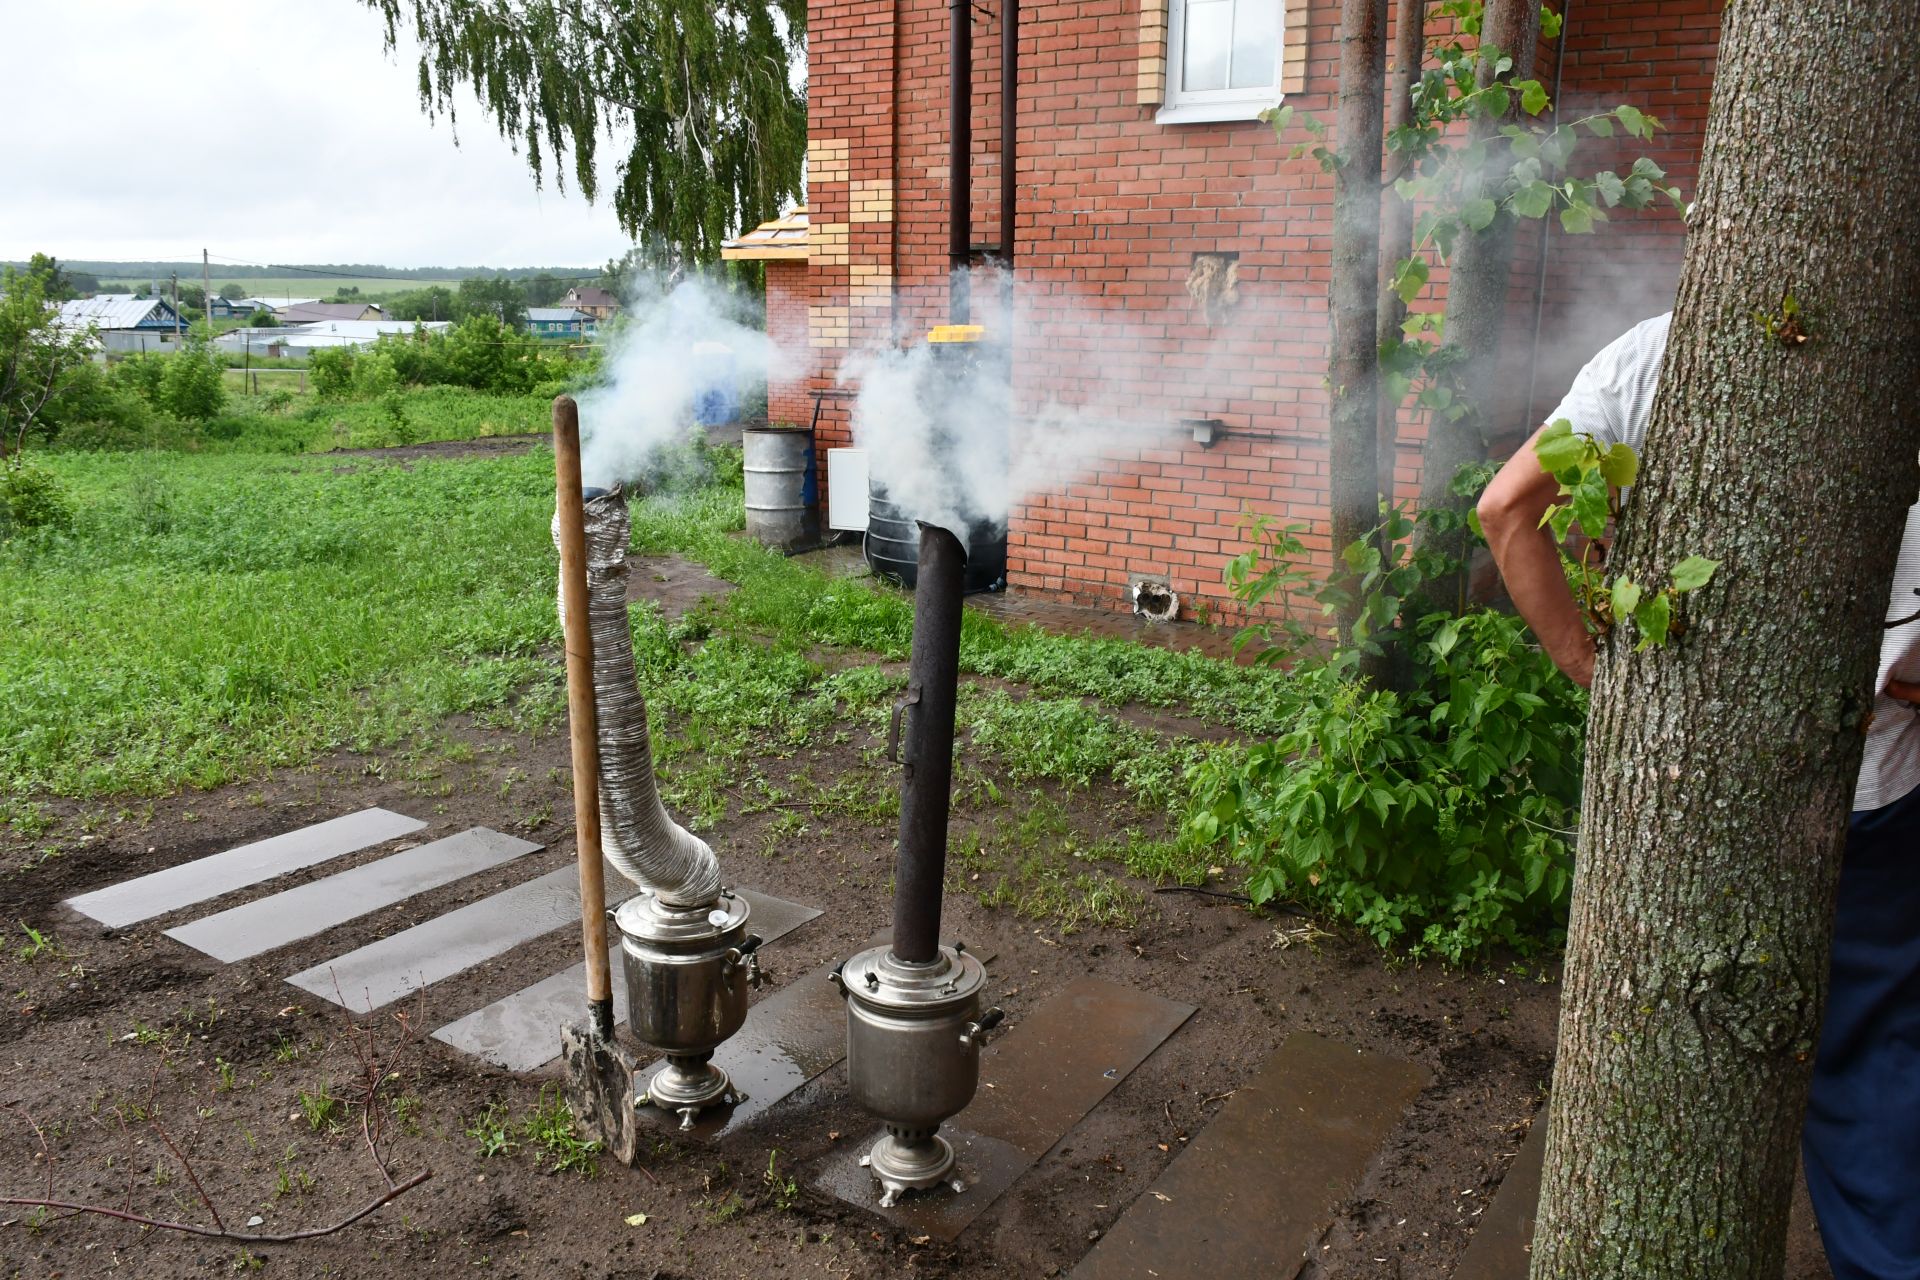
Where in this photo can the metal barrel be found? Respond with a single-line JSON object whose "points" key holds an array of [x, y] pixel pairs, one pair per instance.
{"points": [[777, 463], [893, 544]]}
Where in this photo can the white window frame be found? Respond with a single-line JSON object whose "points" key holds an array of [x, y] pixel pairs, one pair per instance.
{"points": [[1203, 106]]}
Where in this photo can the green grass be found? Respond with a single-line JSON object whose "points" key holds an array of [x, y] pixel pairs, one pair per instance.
{"points": [[804, 607], [209, 617], [217, 612]]}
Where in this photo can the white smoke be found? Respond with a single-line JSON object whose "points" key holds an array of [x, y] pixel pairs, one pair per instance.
{"points": [[946, 439], [676, 346]]}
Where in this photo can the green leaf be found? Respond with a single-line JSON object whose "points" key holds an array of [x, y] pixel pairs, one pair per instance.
{"points": [[1479, 213], [1411, 280], [1610, 187], [1590, 505], [1525, 146], [1653, 617], [1693, 573], [1620, 465], [1533, 97], [1633, 121], [1626, 597], [1558, 448], [1577, 219], [1600, 126], [1533, 200]]}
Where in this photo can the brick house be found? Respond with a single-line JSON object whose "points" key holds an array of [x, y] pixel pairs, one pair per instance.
{"points": [[1136, 151]]}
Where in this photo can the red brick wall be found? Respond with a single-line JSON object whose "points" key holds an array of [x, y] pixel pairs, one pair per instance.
{"points": [[1112, 208], [788, 398]]}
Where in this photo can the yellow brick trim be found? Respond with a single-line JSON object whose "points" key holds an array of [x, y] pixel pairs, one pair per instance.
{"points": [[1150, 85], [1293, 47], [870, 200], [827, 159], [827, 244], [828, 327]]}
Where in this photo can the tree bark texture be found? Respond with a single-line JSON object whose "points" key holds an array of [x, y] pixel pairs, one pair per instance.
{"points": [[1721, 768], [1353, 482], [1396, 219], [1476, 306]]}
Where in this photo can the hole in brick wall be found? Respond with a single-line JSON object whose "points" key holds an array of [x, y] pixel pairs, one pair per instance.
{"points": [[1154, 599], [1213, 283]]}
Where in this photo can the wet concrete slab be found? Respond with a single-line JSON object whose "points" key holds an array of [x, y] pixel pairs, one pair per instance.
{"points": [[521, 1032], [301, 912], [203, 879], [1035, 1085], [1502, 1245], [988, 1166], [1068, 1054], [381, 972], [1256, 1187]]}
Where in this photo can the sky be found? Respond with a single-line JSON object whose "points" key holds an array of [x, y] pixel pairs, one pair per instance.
{"points": [[268, 131]]}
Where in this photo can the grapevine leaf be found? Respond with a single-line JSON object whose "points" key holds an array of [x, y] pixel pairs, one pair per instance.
{"points": [[1620, 465], [1533, 200], [1590, 504], [1411, 280], [1626, 597], [1533, 97], [1653, 616], [1577, 219], [1558, 448], [1693, 573], [1479, 213]]}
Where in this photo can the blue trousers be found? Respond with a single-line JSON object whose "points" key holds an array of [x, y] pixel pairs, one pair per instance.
{"points": [[1861, 1143]]}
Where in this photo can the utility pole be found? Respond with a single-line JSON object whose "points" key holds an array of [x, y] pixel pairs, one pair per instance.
{"points": [[206, 289], [176, 307]]}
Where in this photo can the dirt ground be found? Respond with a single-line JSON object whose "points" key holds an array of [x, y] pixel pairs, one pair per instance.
{"points": [[107, 1029]]}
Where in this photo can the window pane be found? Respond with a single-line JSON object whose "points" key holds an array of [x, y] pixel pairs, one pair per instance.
{"points": [[1256, 43], [1207, 41]]}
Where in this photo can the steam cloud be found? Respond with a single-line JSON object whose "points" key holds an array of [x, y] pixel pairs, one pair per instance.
{"points": [[965, 452], [679, 344]]}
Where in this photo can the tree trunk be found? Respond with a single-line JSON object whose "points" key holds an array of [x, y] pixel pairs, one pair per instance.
{"points": [[1353, 483], [1396, 220], [1476, 310], [1721, 767]]}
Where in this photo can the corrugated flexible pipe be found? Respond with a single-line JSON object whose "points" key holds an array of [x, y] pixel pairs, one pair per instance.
{"points": [[637, 836]]}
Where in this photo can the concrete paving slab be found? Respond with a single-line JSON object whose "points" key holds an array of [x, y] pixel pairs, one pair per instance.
{"points": [[381, 972], [1051, 1070], [521, 1032], [301, 912], [1069, 1054], [1501, 1248], [1256, 1187], [132, 901]]}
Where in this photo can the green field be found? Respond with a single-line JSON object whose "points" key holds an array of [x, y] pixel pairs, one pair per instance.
{"points": [[272, 287]]}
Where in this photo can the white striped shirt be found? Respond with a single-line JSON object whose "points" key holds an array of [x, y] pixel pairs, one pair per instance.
{"points": [[1611, 401]]}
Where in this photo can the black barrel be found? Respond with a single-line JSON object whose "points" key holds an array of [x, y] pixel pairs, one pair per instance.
{"points": [[893, 545]]}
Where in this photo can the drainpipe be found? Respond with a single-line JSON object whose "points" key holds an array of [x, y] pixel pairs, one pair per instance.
{"points": [[1009, 149], [959, 161], [1546, 227]]}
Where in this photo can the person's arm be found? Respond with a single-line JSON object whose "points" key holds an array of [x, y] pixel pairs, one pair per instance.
{"points": [[1510, 512]]}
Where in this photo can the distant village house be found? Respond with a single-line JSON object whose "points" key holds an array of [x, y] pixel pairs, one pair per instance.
{"points": [[595, 301], [560, 322]]}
